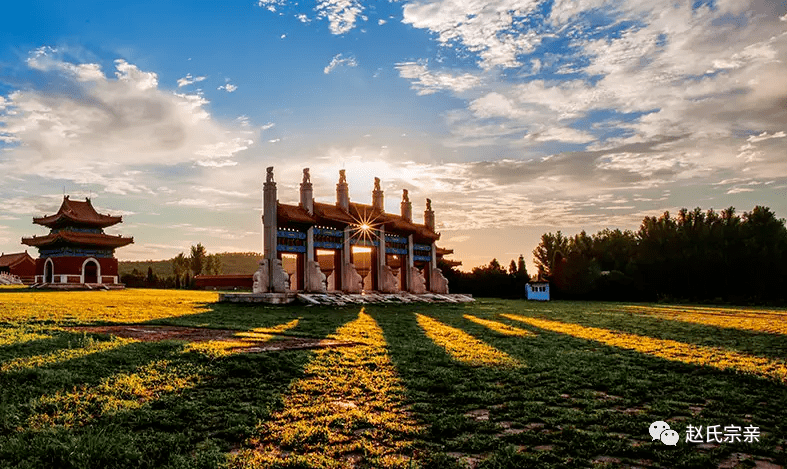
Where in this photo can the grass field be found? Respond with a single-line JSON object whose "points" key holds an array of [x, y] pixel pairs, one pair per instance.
{"points": [[494, 384]]}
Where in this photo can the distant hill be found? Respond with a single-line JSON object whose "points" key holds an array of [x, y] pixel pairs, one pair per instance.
{"points": [[231, 263]]}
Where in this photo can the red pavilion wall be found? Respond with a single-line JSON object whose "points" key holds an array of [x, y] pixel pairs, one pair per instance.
{"points": [[72, 266]]}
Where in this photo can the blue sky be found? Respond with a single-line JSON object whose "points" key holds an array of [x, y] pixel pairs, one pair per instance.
{"points": [[515, 117]]}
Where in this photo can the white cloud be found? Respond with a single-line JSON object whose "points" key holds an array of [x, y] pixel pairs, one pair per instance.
{"points": [[188, 80], [492, 29], [200, 203], [738, 190], [271, 5], [45, 59], [229, 87], [341, 14], [221, 192], [693, 75], [216, 163], [267, 126], [765, 136], [131, 74], [645, 165], [94, 130], [561, 134], [224, 149], [429, 82], [339, 61]]}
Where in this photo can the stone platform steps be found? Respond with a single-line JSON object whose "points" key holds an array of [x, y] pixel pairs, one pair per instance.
{"points": [[77, 286], [342, 299]]}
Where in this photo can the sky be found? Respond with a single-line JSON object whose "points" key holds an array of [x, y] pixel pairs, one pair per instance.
{"points": [[516, 117]]}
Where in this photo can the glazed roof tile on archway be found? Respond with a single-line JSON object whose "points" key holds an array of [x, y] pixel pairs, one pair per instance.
{"points": [[327, 214]]}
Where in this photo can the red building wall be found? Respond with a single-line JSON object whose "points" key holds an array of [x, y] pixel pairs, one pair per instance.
{"points": [[25, 270], [73, 266]]}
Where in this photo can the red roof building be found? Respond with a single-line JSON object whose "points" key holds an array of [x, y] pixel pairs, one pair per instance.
{"points": [[19, 264], [77, 252]]}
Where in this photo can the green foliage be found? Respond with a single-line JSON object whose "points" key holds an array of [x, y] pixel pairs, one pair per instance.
{"points": [[224, 263], [171, 273], [212, 265], [549, 252], [696, 256], [197, 258]]}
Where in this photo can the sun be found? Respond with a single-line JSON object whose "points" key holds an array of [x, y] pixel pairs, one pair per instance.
{"points": [[365, 225]]}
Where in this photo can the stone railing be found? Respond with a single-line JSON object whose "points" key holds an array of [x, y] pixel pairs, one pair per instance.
{"points": [[9, 279]]}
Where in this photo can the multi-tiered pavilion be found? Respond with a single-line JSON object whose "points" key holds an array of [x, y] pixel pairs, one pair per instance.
{"points": [[77, 253], [347, 246]]}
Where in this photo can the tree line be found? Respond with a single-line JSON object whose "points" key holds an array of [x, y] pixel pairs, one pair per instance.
{"points": [[697, 255], [184, 269], [491, 280]]}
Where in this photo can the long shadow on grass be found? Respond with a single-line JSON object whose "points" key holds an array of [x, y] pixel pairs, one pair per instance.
{"points": [[19, 388], [313, 321], [56, 340], [613, 316], [442, 391], [600, 400], [193, 427]]}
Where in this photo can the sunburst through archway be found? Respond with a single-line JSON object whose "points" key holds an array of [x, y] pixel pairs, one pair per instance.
{"points": [[364, 228]]}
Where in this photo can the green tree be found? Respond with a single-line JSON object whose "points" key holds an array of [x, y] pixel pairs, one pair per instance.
{"points": [[180, 265], [213, 265], [197, 258], [208, 267], [521, 268], [551, 249]]}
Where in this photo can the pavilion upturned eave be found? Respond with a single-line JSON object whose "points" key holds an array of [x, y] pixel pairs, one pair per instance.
{"points": [[60, 220], [73, 212], [84, 239]]}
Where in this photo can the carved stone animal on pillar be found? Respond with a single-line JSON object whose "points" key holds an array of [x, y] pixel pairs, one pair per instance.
{"points": [[317, 281], [439, 282], [269, 176], [354, 280], [429, 215], [280, 280], [418, 285], [388, 281], [406, 206], [261, 281], [377, 196], [342, 177], [307, 199]]}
